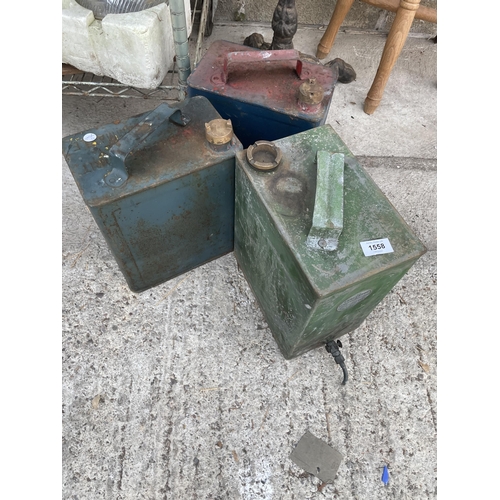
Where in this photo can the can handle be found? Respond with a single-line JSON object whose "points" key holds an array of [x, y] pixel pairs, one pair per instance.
{"points": [[328, 215], [119, 152], [253, 56]]}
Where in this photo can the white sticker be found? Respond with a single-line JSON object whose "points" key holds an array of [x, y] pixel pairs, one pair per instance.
{"points": [[376, 247], [89, 137]]}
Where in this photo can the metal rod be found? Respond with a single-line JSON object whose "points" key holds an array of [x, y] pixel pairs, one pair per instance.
{"points": [[332, 347], [179, 28], [201, 31], [113, 89], [112, 84], [193, 12]]}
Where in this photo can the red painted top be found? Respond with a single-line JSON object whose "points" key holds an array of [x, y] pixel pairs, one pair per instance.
{"points": [[269, 78]]}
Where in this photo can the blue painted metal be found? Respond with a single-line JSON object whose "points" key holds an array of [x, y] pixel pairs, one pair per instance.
{"points": [[259, 90], [162, 197]]}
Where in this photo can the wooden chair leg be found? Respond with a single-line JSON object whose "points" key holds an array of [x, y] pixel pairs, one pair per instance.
{"points": [[342, 7], [395, 42]]}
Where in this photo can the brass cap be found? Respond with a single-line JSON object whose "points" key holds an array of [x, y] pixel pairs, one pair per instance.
{"points": [[219, 131], [311, 92], [264, 155]]}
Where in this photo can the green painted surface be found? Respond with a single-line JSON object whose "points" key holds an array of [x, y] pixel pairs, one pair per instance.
{"points": [[328, 215], [309, 295]]}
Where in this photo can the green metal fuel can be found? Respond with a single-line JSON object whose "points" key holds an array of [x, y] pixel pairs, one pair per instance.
{"points": [[160, 187], [318, 242]]}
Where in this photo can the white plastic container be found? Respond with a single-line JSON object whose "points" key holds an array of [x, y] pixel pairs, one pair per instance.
{"points": [[136, 49]]}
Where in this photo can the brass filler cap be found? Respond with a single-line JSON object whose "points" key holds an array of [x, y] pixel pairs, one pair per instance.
{"points": [[311, 92], [219, 131], [264, 155]]}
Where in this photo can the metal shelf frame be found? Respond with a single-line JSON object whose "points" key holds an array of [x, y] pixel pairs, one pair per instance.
{"points": [[84, 84], [90, 85]]}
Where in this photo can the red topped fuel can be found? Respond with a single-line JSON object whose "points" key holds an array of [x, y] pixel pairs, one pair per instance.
{"points": [[267, 94]]}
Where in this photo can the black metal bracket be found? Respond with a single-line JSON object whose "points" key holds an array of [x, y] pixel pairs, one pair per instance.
{"points": [[332, 346]]}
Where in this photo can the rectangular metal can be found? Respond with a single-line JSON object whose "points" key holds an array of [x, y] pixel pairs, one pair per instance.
{"points": [[259, 90], [309, 293], [161, 194]]}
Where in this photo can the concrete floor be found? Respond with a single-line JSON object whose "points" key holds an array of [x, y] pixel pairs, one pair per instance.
{"points": [[360, 15], [181, 392]]}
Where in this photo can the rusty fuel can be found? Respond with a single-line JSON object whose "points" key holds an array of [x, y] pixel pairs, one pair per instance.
{"points": [[318, 242], [160, 186], [267, 94]]}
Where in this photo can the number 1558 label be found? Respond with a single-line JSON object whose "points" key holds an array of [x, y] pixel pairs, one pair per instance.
{"points": [[376, 247]]}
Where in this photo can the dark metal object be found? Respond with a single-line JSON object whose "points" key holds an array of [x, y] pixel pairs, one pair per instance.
{"points": [[256, 41], [284, 25], [161, 196], [345, 71], [132, 141], [333, 348]]}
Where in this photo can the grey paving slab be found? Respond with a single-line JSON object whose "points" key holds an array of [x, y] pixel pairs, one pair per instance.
{"points": [[181, 392], [406, 182]]}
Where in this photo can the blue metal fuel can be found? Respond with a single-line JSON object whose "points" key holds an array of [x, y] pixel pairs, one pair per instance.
{"points": [[267, 94], [160, 186], [318, 242]]}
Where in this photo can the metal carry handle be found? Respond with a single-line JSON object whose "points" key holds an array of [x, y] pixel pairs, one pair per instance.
{"points": [[328, 215], [253, 56], [130, 142]]}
